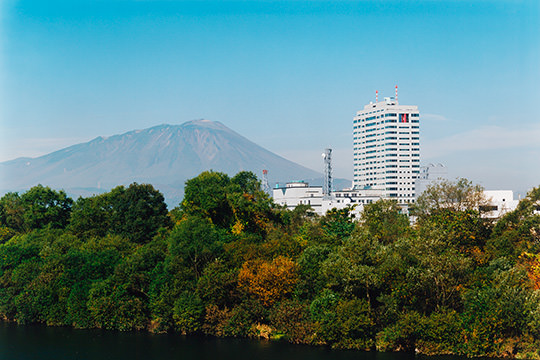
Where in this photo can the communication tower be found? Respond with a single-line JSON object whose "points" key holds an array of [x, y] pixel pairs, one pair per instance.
{"points": [[327, 157], [265, 185]]}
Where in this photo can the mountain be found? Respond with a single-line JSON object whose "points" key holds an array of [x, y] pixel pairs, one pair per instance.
{"points": [[164, 156]]}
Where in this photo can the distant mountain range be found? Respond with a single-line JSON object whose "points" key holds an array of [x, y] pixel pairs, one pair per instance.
{"points": [[164, 156]]}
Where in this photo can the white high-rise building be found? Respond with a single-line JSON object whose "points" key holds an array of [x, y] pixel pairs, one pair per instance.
{"points": [[386, 138]]}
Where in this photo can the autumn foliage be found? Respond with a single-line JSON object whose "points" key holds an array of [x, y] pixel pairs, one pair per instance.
{"points": [[269, 282]]}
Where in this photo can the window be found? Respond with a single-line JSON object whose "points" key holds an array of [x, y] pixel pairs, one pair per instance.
{"points": [[488, 208], [403, 118]]}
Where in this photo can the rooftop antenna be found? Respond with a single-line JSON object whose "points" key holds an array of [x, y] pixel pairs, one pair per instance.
{"points": [[396, 92], [376, 96], [265, 185], [327, 157]]}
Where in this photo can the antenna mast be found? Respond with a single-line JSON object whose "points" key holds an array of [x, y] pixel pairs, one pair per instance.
{"points": [[327, 157], [265, 185]]}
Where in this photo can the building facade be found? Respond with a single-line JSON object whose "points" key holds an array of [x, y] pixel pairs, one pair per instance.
{"points": [[386, 149], [300, 193], [500, 202]]}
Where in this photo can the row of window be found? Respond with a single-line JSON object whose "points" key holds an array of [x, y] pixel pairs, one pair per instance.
{"points": [[370, 128], [403, 147]]}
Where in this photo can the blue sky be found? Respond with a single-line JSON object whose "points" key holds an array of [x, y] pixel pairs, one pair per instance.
{"points": [[288, 75]]}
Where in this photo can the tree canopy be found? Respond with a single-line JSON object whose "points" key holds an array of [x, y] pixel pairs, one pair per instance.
{"points": [[229, 262]]}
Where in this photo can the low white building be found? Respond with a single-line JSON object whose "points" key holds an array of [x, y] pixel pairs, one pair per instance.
{"points": [[500, 203], [298, 193]]}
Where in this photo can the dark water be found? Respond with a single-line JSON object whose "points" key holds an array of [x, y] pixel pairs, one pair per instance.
{"points": [[43, 343]]}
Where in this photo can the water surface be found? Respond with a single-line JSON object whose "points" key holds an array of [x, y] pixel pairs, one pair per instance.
{"points": [[43, 343]]}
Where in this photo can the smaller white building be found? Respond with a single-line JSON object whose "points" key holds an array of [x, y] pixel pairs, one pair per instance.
{"points": [[500, 203], [300, 193]]}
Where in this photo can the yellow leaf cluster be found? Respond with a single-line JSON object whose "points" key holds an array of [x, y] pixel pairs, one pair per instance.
{"points": [[268, 281], [237, 228], [532, 265]]}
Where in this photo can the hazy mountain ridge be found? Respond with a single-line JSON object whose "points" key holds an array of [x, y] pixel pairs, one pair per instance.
{"points": [[164, 155]]}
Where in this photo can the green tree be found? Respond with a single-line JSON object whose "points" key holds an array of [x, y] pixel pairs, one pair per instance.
{"points": [[311, 280], [12, 212], [138, 212], [518, 231], [218, 284], [92, 216], [343, 323], [206, 196], [45, 207], [353, 269], [384, 221], [195, 242], [338, 223], [188, 313]]}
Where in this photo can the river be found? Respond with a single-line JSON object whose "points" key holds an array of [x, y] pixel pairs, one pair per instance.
{"points": [[19, 342]]}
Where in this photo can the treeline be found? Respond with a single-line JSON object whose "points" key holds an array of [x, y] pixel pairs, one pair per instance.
{"points": [[229, 262]]}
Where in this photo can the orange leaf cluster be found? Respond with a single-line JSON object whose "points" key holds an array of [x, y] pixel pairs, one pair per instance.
{"points": [[532, 265], [269, 282]]}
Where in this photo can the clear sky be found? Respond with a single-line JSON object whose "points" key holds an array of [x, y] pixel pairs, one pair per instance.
{"points": [[288, 75]]}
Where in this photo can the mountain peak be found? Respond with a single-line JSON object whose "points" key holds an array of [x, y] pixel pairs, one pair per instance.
{"points": [[205, 123]]}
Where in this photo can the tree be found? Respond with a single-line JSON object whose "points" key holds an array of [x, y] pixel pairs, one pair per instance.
{"points": [[12, 212], [45, 207], [92, 216], [238, 204], [206, 196], [292, 318], [451, 211], [251, 207], [138, 212], [247, 182], [311, 281], [195, 242], [218, 284], [188, 313], [518, 231], [384, 221], [338, 223], [269, 282], [342, 323], [460, 195], [353, 269]]}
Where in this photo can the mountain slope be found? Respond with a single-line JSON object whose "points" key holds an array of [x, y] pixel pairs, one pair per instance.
{"points": [[165, 156]]}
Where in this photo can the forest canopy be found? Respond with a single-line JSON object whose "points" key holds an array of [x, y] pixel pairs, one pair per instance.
{"points": [[229, 262]]}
